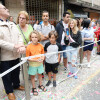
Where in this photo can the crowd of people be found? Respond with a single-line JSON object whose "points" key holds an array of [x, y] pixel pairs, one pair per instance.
{"points": [[21, 39]]}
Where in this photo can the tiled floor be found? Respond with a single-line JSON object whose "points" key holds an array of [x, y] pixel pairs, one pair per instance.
{"points": [[64, 84]]}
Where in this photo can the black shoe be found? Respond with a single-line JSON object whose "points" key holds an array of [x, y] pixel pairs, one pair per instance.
{"points": [[48, 83], [54, 83], [98, 53], [42, 75]]}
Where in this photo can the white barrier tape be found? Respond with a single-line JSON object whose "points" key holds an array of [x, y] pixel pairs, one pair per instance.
{"points": [[74, 73], [26, 58], [11, 69], [69, 76], [66, 78], [56, 52]]}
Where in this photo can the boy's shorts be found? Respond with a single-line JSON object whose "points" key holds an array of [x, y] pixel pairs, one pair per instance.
{"points": [[51, 67], [35, 70]]}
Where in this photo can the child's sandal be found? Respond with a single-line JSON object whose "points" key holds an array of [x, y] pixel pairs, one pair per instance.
{"points": [[34, 91], [42, 88]]}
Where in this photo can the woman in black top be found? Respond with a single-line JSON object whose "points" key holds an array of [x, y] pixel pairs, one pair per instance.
{"points": [[72, 41]]}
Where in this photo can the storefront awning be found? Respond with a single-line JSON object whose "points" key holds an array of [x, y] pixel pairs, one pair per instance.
{"points": [[80, 15], [77, 11]]}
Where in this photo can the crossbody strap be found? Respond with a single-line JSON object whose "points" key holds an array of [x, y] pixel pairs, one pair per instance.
{"points": [[22, 34]]}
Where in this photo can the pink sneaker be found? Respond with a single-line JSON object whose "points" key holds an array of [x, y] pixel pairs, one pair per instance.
{"points": [[69, 74]]}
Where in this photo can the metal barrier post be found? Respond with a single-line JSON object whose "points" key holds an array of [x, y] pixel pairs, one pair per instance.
{"points": [[27, 89], [81, 53]]}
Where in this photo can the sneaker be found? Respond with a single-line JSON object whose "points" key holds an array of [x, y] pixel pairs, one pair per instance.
{"points": [[65, 69], [75, 76], [54, 83], [42, 75], [69, 74], [88, 65], [98, 53], [48, 83]]}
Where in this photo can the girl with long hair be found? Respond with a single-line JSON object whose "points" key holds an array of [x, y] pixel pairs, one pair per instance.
{"points": [[73, 41]]}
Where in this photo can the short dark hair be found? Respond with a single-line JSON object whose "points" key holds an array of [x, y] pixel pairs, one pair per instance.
{"points": [[66, 12], [53, 33], [86, 23], [45, 12]]}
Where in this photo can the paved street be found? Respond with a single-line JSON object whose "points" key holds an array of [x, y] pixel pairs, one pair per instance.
{"points": [[86, 87], [91, 90]]}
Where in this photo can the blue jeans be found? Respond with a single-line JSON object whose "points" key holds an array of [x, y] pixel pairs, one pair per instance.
{"points": [[64, 53], [72, 58], [10, 80]]}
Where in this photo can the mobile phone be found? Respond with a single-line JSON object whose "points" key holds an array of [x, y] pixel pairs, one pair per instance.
{"points": [[67, 31]]}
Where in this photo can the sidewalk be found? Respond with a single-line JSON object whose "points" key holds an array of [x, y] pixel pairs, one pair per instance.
{"points": [[65, 86]]}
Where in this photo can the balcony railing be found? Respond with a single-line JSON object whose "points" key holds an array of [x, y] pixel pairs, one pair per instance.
{"points": [[87, 3]]}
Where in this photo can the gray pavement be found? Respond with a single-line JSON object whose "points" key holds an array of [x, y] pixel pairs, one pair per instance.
{"points": [[83, 88], [91, 91]]}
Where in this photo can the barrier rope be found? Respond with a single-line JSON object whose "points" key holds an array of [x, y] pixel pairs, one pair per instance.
{"points": [[26, 58], [74, 73]]}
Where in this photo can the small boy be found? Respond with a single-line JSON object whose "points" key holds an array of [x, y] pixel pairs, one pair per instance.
{"points": [[52, 60]]}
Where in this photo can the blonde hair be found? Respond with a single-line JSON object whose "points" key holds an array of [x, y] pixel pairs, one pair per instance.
{"points": [[26, 15], [75, 28], [37, 33]]}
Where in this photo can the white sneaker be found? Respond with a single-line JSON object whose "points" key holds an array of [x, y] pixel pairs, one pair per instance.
{"points": [[89, 65], [65, 68]]}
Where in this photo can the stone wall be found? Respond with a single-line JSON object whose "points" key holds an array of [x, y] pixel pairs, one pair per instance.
{"points": [[15, 6]]}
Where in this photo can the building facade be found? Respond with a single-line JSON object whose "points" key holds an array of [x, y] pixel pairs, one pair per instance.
{"points": [[78, 8], [84, 8], [35, 8]]}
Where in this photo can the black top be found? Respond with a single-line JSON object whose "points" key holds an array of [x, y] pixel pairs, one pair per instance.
{"points": [[57, 45], [59, 29], [76, 37]]}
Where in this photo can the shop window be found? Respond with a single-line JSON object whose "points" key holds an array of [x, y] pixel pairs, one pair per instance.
{"points": [[35, 8]]}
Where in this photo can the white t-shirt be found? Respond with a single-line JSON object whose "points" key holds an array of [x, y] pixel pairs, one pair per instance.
{"points": [[88, 33], [63, 35], [45, 31], [35, 26]]}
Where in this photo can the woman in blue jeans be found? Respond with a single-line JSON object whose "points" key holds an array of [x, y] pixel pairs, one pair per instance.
{"points": [[72, 41]]}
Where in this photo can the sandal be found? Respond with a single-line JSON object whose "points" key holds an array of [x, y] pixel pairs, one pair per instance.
{"points": [[34, 91], [42, 88]]}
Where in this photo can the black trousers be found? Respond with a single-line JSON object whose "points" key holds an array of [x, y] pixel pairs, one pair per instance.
{"points": [[11, 80]]}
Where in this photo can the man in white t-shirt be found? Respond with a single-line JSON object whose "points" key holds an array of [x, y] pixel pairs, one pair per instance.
{"points": [[61, 29], [45, 27]]}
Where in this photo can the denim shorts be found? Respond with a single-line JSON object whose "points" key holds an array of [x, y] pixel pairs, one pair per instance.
{"points": [[89, 47], [64, 53], [36, 70]]}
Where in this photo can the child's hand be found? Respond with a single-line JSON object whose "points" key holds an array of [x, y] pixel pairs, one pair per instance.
{"points": [[67, 35], [40, 60]]}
